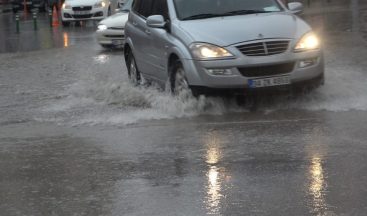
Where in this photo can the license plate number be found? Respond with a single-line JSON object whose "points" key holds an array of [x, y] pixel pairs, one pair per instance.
{"points": [[271, 81], [81, 12]]}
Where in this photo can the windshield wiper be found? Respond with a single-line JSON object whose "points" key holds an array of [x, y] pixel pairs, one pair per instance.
{"points": [[202, 16], [230, 13], [240, 12]]}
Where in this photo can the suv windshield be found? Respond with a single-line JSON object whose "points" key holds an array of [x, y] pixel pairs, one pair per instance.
{"points": [[201, 9]]}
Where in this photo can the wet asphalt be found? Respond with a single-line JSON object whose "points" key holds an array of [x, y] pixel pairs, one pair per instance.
{"points": [[77, 139]]}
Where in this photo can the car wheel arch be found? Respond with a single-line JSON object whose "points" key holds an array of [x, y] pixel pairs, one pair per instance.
{"points": [[173, 57], [191, 74], [129, 47], [127, 50]]}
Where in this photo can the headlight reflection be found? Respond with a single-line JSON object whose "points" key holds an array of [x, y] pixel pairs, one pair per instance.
{"points": [[213, 190], [212, 156], [66, 39], [215, 174], [102, 59], [317, 188], [317, 185]]}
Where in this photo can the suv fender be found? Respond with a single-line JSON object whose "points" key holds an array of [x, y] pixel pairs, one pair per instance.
{"points": [[184, 56]]}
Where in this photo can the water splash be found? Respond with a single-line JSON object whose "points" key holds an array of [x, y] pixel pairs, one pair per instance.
{"points": [[98, 97]]}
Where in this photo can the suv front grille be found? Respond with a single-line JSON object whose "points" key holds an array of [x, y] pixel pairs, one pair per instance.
{"points": [[265, 48], [269, 70], [82, 8]]}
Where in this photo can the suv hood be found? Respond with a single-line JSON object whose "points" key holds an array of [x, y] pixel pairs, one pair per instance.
{"points": [[229, 30]]}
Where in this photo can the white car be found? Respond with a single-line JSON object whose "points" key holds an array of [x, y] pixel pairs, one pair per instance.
{"points": [[77, 10], [111, 31]]}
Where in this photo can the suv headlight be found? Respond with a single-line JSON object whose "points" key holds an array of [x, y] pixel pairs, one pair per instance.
{"points": [[99, 4], [308, 42], [206, 51], [66, 6]]}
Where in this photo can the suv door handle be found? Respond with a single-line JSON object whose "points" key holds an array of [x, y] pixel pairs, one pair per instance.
{"points": [[147, 31], [135, 23]]}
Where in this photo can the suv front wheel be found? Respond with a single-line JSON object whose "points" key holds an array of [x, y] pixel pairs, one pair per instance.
{"points": [[178, 81], [134, 74]]}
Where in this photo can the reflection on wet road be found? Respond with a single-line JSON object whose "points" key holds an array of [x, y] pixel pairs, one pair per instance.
{"points": [[264, 168], [66, 39], [317, 175], [214, 174], [214, 191], [44, 38], [318, 184]]}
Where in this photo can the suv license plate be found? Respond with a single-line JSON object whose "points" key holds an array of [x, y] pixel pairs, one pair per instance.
{"points": [[271, 81]]}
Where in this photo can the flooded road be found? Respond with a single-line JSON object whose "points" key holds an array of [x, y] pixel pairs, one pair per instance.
{"points": [[77, 139], [273, 165]]}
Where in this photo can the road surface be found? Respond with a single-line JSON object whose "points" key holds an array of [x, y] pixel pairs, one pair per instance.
{"points": [[77, 139]]}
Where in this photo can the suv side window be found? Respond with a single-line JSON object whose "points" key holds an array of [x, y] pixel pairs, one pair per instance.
{"points": [[160, 7], [143, 7]]}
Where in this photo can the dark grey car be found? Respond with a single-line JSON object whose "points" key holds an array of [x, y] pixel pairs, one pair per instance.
{"points": [[222, 45]]}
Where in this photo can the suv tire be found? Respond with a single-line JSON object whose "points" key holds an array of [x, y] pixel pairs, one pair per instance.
{"points": [[178, 80], [133, 72]]}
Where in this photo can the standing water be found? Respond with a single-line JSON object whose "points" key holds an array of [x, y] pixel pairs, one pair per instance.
{"points": [[86, 86]]}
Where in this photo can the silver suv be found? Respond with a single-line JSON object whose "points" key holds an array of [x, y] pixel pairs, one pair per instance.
{"points": [[236, 45]]}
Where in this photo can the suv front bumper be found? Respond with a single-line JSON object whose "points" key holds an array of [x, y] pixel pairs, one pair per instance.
{"points": [[237, 79]]}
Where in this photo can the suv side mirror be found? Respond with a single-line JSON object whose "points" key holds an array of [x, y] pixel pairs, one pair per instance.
{"points": [[295, 7], [156, 21]]}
